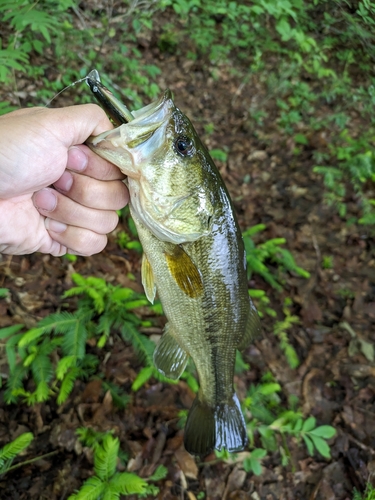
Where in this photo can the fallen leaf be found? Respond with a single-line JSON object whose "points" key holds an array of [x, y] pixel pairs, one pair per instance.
{"points": [[187, 463]]}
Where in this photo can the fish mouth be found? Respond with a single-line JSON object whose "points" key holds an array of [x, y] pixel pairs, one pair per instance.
{"points": [[139, 133]]}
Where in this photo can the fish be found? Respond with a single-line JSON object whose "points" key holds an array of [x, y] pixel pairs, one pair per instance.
{"points": [[193, 258]]}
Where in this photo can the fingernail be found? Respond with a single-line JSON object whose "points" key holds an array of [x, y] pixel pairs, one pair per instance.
{"points": [[45, 199], [65, 182], [77, 159], [54, 225], [72, 252]]}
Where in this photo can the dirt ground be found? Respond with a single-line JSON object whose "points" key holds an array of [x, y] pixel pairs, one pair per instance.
{"points": [[335, 381]]}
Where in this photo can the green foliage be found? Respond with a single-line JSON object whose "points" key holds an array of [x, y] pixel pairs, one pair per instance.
{"points": [[125, 241], [262, 302], [9, 452], [53, 353], [369, 493], [327, 262], [258, 256], [274, 423], [281, 328], [219, 154], [107, 483], [314, 66], [269, 251], [3, 292], [32, 27], [353, 160], [253, 463], [35, 28]]}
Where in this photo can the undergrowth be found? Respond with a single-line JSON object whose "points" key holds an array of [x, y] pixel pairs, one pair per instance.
{"points": [[319, 80], [54, 354], [107, 483]]}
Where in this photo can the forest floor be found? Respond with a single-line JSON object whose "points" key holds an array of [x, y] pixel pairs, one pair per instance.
{"points": [[335, 381]]}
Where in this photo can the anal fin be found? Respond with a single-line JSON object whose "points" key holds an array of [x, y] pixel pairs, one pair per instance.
{"points": [[169, 358]]}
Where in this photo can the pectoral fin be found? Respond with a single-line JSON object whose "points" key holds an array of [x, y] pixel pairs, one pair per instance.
{"points": [[253, 328], [148, 280], [169, 358], [184, 272]]}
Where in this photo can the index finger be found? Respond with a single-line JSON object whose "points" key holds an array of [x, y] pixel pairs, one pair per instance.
{"points": [[96, 167]]}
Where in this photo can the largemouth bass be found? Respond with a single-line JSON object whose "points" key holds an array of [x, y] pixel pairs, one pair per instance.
{"points": [[194, 258]]}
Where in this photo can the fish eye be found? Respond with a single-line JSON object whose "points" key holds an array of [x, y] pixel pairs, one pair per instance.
{"points": [[184, 146]]}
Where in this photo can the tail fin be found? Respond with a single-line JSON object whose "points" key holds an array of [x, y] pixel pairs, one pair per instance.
{"points": [[208, 428]]}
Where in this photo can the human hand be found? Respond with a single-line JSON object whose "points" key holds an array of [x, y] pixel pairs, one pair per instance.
{"points": [[39, 148]]}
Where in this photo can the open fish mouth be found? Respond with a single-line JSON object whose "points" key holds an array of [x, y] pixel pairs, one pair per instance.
{"points": [[139, 133]]}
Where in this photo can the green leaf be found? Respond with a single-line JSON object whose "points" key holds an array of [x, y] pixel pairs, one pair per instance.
{"points": [[110, 493], [309, 424], [63, 366], [160, 473], [30, 336], [269, 388], [309, 444], [91, 490], [122, 294], [142, 377], [8, 331], [11, 450], [105, 458], [321, 446], [3, 292], [298, 425], [324, 431], [67, 384], [128, 483], [259, 453]]}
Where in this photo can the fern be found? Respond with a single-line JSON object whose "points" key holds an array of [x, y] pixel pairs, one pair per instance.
{"points": [[11, 450], [62, 322], [15, 382], [107, 483], [67, 384], [141, 344], [10, 349], [160, 473], [8, 331], [119, 397], [127, 483], [89, 437], [63, 366], [66, 333], [105, 458], [92, 489], [75, 339]]}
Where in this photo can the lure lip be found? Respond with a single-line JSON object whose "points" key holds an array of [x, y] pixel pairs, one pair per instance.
{"points": [[114, 108], [118, 111]]}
